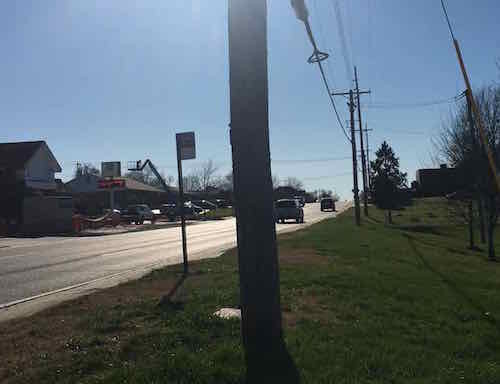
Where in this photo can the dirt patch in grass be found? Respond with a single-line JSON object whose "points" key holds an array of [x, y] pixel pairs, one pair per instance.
{"points": [[305, 256]]}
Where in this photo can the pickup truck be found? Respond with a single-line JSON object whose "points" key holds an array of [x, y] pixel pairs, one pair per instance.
{"points": [[137, 214], [288, 209]]}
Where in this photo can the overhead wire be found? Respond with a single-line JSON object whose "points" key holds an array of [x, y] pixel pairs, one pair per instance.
{"points": [[388, 105], [343, 44], [318, 59]]}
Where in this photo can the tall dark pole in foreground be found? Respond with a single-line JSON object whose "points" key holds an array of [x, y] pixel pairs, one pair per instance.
{"points": [[362, 147], [253, 191], [181, 207], [355, 190]]}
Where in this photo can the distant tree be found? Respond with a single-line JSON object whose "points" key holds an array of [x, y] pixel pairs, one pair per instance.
{"points": [[224, 183], [293, 182], [86, 169], [387, 179], [192, 183], [322, 193], [207, 175], [146, 176]]}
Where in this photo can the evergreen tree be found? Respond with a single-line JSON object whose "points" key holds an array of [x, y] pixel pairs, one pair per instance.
{"points": [[387, 179]]}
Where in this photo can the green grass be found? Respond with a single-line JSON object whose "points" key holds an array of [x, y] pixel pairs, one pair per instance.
{"points": [[407, 303], [219, 213]]}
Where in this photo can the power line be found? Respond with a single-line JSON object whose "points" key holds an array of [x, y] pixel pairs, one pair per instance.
{"points": [[343, 43], [327, 177], [447, 19], [389, 105], [324, 160], [317, 56]]}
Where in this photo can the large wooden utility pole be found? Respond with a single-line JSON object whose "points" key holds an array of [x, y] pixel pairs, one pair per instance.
{"points": [[253, 190], [355, 190], [363, 159], [352, 106]]}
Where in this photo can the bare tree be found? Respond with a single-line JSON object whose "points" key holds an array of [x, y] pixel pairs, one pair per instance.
{"points": [[460, 144], [294, 183], [192, 183], [224, 183], [205, 175], [86, 169]]}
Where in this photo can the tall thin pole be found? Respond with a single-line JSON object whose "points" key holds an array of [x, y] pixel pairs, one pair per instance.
{"points": [[368, 158], [355, 190], [363, 160], [181, 207], [256, 233]]}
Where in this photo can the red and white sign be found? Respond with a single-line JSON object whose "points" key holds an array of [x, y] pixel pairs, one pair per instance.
{"points": [[111, 183]]}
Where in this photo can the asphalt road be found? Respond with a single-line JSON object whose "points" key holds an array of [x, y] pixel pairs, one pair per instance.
{"points": [[33, 267]]}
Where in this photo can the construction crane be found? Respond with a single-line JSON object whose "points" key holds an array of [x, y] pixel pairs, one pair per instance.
{"points": [[139, 166]]}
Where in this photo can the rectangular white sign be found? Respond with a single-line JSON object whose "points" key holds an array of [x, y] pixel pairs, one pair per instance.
{"points": [[186, 145]]}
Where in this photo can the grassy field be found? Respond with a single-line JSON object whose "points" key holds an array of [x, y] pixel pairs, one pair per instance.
{"points": [[376, 304]]}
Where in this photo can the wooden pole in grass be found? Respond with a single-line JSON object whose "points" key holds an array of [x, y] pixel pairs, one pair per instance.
{"points": [[261, 328]]}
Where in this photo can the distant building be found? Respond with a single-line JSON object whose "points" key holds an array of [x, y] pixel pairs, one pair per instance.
{"points": [[29, 162], [437, 181], [92, 194], [31, 201]]}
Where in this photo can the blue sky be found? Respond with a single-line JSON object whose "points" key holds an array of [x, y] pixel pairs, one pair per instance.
{"points": [[114, 80]]}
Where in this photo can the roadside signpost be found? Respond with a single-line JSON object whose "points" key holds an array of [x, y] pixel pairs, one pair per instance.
{"points": [[186, 150]]}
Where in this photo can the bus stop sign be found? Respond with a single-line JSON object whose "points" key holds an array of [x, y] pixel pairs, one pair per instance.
{"points": [[186, 145]]}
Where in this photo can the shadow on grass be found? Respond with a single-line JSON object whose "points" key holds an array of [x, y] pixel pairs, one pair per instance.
{"points": [[270, 364], [452, 285], [167, 302]]}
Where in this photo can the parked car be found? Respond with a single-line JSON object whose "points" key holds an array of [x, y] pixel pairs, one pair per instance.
{"points": [[289, 209], [137, 214], [192, 209], [327, 203], [221, 203], [205, 204], [169, 210]]}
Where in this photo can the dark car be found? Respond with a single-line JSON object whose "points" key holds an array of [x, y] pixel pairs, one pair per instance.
{"points": [[221, 203], [327, 204], [205, 204], [289, 209], [137, 214], [169, 210]]}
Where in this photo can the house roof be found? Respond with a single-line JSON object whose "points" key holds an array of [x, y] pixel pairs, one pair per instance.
{"points": [[16, 155], [138, 186]]}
